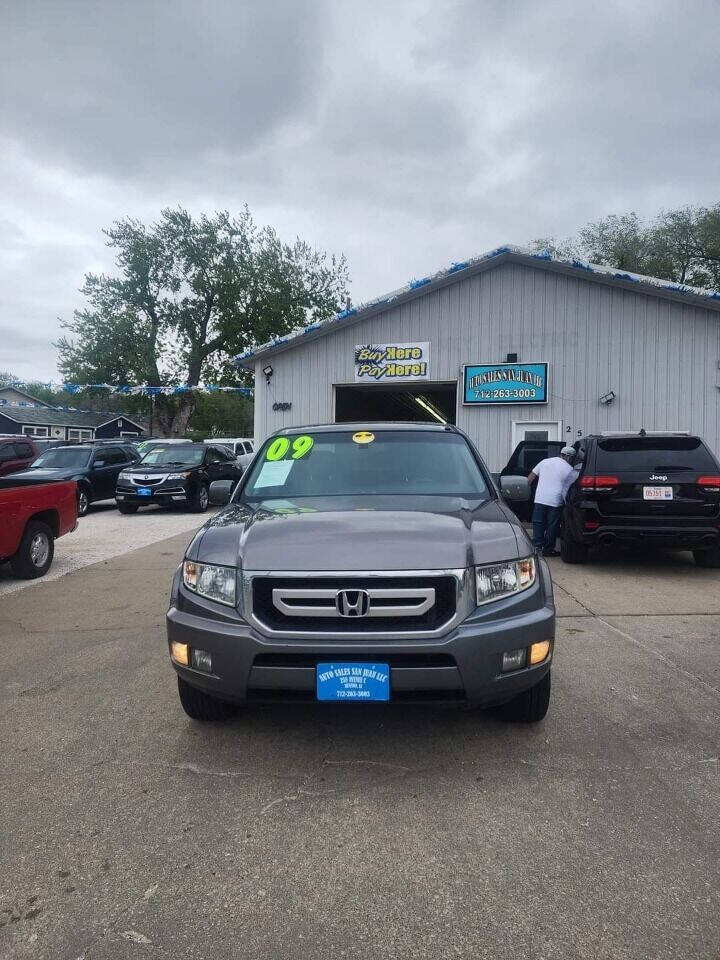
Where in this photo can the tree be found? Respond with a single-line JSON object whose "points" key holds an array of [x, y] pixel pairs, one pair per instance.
{"points": [[191, 293], [681, 245]]}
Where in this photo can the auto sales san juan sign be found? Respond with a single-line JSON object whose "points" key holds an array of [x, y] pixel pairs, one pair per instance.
{"points": [[487, 383], [392, 362]]}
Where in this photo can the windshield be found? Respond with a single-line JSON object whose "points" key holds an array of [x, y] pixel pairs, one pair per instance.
{"points": [[352, 463], [64, 457], [178, 453]]}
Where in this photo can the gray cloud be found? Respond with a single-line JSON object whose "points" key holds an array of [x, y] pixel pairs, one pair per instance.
{"points": [[406, 134], [133, 88]]}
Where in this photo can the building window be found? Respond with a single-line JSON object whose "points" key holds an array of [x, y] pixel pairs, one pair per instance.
{"points": [[35, 431], [80, 435]]}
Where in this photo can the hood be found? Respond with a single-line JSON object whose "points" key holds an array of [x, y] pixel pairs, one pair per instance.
{"points": [[160, 467], [368, 533], [46, 474]]}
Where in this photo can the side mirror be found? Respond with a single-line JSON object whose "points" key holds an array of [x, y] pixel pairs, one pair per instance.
{"points": [[221, 491], [515, 488]]}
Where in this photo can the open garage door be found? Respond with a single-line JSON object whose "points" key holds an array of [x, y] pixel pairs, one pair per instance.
{"points": [[432, 402]]}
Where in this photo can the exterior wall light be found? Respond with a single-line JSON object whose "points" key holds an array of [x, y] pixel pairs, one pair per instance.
{"points": [[608, 397], [268, 371]]}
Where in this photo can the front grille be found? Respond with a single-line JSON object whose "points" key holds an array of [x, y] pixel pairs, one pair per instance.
{"points": [[406, 660], [441, 590], [150, 482]]}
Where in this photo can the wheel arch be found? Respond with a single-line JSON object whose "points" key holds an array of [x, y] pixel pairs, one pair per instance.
{"points": [[49, 517]]}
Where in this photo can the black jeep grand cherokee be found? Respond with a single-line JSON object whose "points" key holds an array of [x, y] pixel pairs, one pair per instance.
{"points": [[176, 474], [661, 489]]}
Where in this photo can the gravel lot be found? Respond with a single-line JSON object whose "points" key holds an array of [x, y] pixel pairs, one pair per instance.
{"points": [[104, 533]]}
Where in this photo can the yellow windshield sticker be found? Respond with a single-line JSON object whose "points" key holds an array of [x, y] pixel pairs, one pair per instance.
{"points": [[363, 436], [301, 446]]}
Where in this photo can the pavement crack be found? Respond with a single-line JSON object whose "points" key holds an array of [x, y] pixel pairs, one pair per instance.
{"points": [[369, 763], [660, 656], [289, 798], [565, 590]]}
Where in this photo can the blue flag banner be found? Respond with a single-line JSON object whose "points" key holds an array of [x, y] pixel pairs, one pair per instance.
{"points": [[143, 390]]}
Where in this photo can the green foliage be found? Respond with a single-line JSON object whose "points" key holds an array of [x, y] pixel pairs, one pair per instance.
{"points": [[680, 245], [221, 415], [190, 294]]}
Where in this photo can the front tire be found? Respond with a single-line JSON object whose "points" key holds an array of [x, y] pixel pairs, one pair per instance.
{"points": [[572, 552], [201, 706], [35, 553], [531, 705], [708, 558], [128, 507], [200, 499], [83, 501]]}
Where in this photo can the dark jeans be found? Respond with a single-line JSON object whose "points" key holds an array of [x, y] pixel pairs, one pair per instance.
{"points": [[545, 521]]}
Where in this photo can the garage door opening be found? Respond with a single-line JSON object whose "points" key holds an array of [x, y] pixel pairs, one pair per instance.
{"points": [[423, 402]]}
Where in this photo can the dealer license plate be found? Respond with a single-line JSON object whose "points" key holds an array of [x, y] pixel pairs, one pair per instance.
{"points": [[657, 493], [144, 491], [353, 681]]}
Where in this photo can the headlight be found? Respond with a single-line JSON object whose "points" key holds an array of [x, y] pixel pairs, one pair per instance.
{"points": [[211, 581], [178, 476], [124, 476], [498, 580]]}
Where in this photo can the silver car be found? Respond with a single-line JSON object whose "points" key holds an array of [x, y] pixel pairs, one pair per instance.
{"points": [[362, 563]]}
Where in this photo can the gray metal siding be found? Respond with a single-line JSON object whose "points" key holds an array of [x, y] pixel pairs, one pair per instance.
{"points": [[660, 357]]}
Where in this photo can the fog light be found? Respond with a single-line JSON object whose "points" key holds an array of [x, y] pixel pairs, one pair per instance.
{"points": [[539, 651], [202, 660], [513, 660], [180, 652]]}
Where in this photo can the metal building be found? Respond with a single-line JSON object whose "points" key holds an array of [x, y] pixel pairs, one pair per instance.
{"points": [[509, 345]]}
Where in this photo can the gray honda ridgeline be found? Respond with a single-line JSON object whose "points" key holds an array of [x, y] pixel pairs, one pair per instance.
{"points": [[363, 563]]}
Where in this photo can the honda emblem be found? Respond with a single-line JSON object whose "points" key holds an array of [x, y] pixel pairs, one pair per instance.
{"points": [[352, 603]]}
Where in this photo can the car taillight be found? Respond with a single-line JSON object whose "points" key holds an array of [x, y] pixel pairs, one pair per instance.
{"points": [[600, 482], [709, 483]]}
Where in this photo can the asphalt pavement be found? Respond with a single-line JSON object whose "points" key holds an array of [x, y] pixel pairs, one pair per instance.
{"points": [[360, 831]]}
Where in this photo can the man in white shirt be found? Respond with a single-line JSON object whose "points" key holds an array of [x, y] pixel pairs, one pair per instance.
{"points": [[555, 476]]}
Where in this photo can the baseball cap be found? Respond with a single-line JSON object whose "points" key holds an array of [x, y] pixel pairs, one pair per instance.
{"points": [[568, 451]]}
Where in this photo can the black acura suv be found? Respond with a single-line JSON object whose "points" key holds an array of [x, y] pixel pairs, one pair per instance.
{"points": [[176, 474], [643, 488]]}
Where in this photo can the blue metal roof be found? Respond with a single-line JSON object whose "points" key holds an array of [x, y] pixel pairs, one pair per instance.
{"points": [[709, 298]]}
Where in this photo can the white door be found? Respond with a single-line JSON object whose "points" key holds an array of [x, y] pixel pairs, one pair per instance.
{"points": [[536, 430]]}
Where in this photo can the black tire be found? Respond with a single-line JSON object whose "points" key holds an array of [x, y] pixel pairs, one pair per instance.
{"points": [[708, 558], [83, 500], [201, 706], [200, 500], [35, 553], [531, 705], [128, 507], [572, 552]]}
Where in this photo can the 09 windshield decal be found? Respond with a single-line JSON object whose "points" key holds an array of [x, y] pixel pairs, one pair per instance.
{"points": [[281, 446]]}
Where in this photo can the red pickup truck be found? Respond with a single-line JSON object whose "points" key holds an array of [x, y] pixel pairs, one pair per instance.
{"points": [[32, 517]]}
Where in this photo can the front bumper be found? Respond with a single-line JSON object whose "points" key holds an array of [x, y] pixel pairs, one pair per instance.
{"points": [[465, 665], [164, 494]]}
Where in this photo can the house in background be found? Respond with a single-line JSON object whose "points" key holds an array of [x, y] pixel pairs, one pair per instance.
{"points": [[24, 414], [13, 395]]}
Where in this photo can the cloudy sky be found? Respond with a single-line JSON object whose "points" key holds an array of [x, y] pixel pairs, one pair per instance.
{"points": [[404, 134]]}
